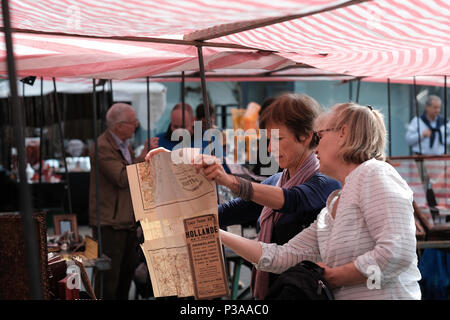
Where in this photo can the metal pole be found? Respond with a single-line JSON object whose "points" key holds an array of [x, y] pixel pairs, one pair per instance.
{"points": [[103, 124], [96, 173], [205, 99], [31, 249], [420, 163], [40, 131], [445, 114], [148, 114], [389, 116], [357, 90], [203, 81], [350, 91], [445, 130], [183, 121], [61, 136], [417, 115]]}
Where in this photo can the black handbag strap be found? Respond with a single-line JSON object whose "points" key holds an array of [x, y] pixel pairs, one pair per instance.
{"points": [[319, 270], [312, 266]]}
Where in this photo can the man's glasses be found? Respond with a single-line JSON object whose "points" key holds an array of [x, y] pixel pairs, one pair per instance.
{"points": [[317, 135], [133, 123]]}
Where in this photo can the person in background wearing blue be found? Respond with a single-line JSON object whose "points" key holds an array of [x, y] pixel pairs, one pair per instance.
{"points": [[289, 201], [176, 122], [431, 129], [434, 264], [169, 141]]}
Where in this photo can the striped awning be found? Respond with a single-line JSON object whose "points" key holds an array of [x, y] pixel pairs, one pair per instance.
{"points": [[387, 38], [59, 56], [156, 18], [131, 39]]}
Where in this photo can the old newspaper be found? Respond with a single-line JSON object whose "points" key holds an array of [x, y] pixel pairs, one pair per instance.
{"points": [[177, 209]]}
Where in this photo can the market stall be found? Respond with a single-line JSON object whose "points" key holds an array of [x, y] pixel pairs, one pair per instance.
{"points": [[380, 39]]}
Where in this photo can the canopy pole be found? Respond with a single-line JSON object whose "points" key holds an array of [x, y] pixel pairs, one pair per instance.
{"points": [[420, 162], [61, 137], [445, 129], [203, 81], [111, 88], [103, 102], [417, 114], [148, 114], [111, 102], [183, 120], [96, 173], [205, 99], [31, 249], [357, 90], [389, 115], [41, 130], [445, 114], [350, 91]]}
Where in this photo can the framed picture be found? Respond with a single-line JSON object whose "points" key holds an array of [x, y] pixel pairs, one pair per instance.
{"points": [[66, 223]]}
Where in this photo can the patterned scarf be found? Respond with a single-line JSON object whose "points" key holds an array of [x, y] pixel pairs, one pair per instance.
{"points": [[269, 218]]}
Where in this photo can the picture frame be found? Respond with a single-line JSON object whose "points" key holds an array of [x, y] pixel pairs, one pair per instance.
{"points": [[66, 222]]}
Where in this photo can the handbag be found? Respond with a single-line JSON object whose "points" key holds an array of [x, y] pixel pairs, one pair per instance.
{"points": [[304, 281]]}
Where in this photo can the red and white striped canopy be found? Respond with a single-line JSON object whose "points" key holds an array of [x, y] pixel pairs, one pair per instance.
{"points": [[156, 18], [388, 38], [115, 39], [59, 56]]}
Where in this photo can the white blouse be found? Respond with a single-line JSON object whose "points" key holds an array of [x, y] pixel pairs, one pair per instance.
{"points": [[374, 228]]}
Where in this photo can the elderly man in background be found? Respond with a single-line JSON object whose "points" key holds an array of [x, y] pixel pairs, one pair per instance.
{"points": [[430, 131], [118, 227]]}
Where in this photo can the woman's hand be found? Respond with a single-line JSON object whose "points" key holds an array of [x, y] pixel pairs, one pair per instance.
{"points": [[344, 275], [213, 170], [154, 143], [154, 152], [328, 274]]}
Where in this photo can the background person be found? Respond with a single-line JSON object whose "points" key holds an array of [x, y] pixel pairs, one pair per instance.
{"points": [[118, 228], [176, 122], [366, 230], [431, 129], [433, 262]]}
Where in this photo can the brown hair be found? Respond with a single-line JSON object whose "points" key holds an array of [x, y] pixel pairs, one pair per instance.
{"points": [[295, 111], [200, 111], [367, 133], [187, 108]]}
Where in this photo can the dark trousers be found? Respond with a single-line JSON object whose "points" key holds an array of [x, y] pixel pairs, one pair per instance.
{"points": [[121, 247]]}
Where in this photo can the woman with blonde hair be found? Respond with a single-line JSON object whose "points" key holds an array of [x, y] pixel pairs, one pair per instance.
{"points": [[365, 236]]}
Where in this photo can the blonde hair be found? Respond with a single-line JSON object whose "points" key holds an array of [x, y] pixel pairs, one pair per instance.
{"points": [[366, 137]]}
